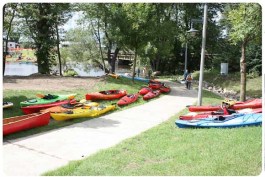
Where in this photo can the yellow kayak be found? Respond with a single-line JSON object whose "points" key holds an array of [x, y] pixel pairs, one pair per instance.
{"points": [[113, 75], [69, 107], [86, 112]]}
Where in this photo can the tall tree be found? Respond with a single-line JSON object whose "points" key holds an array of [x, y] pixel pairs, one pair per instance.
{"points": [[9, 11], [245, 25]]}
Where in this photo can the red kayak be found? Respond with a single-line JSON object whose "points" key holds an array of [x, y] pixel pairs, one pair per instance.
{"points": [[145, 90], [128, 99], [165, 89], [106, 95], [19, 123], [151, 94], [36, 108], [155, 85], [211, 114], [255, 103]]}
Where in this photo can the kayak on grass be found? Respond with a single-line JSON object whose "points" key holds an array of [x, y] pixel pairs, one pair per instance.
{"points": [[230, 121], [145, 90], [151, 95], [106, 95], [7, 104], [128, 99], [69, 107], [135, 78], [212, 114], [254, 103], [36, 108], [165, 89], [47, 99], [20, 123], [82, 112]]}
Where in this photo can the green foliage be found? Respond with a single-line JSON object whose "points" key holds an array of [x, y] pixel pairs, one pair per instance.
{"points": [[70, 72], [245, 22]]}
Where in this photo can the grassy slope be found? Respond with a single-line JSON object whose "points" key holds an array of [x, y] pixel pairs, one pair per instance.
{"points": [[16, 96], [167, 150], [232, 82]]}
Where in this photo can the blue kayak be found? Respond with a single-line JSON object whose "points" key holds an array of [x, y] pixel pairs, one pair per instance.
{"points": [[230, 121], [135, 78]]}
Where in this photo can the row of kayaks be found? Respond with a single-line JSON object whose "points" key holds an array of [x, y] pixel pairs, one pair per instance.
{"points": [[240, 114], [63, 107]]}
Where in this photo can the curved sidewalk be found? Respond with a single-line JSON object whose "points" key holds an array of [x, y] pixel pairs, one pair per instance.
{"points": [[36, 154]]}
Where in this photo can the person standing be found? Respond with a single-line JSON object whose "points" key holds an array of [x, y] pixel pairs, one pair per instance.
{"points": [[188, 81], [138, 71], [144, 72]]}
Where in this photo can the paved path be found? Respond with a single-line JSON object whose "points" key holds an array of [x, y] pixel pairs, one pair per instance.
{"points": [[42, 152]]}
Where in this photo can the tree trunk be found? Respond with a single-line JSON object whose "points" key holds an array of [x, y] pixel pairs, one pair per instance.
{"points": [[113, 60], [100, 48], [7, 35], [243, 72], [58, 50], [4, 50], [134, 64]]}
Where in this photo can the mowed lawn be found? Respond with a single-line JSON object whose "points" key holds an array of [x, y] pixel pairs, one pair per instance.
{"points": [[170, 151]]}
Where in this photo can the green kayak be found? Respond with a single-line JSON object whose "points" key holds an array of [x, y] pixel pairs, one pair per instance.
{"points": [[46, 99]]}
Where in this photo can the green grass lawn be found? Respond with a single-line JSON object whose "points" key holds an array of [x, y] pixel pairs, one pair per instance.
{"points": [[17, 96], [170, 151]]}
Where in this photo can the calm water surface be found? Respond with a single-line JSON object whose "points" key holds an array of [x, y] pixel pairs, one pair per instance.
{"points": [[28, 68]]}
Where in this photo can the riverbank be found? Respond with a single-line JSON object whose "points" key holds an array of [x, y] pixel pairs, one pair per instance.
{"points": [[49, 82]]}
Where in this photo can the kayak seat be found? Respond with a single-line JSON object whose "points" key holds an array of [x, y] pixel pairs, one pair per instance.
{"points": [[32, 101], [68, 106], [49, 97], [69, 112]]}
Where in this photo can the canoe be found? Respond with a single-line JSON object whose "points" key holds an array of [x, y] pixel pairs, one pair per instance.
{"points": [[165, 89], [7, 105], [231, 121], [20, 123], [135, 78], [151, 95], [254, 103], [212, 114], [128, 99], [145, 90], [82, 113], [69, 107], [36, 108], [106, 95], [47, 99]]}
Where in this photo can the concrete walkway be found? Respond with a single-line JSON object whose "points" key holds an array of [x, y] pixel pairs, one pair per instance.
{"points": [[36, 154]]}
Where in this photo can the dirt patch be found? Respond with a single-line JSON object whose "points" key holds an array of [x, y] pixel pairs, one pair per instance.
{"points": [[47, 82]]}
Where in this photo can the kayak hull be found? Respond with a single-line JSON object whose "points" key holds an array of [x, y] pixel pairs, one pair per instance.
{"points": [[145, 90], [83, 113], [20, 123], [211, 114], [151, 95], [255, 103], [232, 121], [36, 108], [106, 95], [7, 105], [46, 101], [128, 99], [136, 78]]}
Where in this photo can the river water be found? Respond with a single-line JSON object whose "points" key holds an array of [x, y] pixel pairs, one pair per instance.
{"points": [[28, 68]]}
